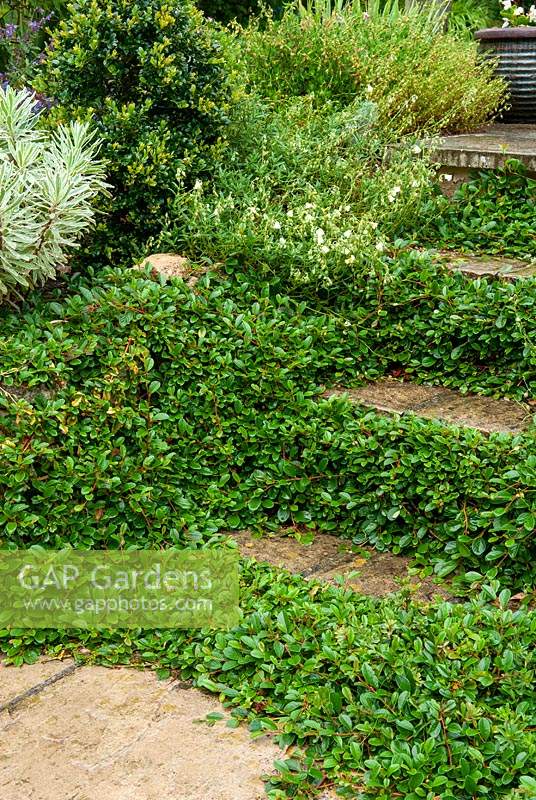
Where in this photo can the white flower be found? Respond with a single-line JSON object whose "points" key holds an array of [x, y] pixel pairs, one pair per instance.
{"points": [[380, 247], [505, 24], [392, 194], [519, 11], [369, 89], [532, 14], [347, 234], [282, 240], [324, 249], [416, 149], [198, 185], [349, 260], [319, 235], [374, 225], [276, 226], [446, 177], [309, 205], [507, 4], [290, 213], [366, 16]]}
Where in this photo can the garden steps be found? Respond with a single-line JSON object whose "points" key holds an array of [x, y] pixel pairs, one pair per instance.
{"points": [[510, 269], [488, 148], [72, 731], [486, 414], [334, 560]]}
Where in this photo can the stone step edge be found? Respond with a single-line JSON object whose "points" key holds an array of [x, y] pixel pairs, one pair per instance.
{"points": [[485, 414], [498, 267]]}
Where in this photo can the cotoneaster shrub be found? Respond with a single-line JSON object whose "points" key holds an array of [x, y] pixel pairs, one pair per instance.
{"points": [[48, 184], [150, 75], [493, 212], [402, 61], [374, 698], [171, 414]]}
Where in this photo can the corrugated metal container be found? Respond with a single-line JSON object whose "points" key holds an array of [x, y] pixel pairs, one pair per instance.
{"points": [[515, 51]]}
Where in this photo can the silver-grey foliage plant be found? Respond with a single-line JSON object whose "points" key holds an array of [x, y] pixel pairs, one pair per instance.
{"points": [[48, 182]]}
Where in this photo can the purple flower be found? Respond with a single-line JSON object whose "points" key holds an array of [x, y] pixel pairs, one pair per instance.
{"points": [[8, 32]]}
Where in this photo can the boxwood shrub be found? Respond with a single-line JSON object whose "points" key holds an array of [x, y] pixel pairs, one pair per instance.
{"points": [[151, 77]]}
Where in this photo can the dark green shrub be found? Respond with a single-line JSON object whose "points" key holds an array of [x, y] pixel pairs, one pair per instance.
{"points": [[241, 10], [151, 76]]}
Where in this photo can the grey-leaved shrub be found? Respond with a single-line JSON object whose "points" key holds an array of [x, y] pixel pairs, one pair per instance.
{"points": [[47, 185]]}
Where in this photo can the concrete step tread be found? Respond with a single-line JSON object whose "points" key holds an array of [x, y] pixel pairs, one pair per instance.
{"points": [[510, 269], [332, 559], [486, 414], [489, 148], [121, 733]]}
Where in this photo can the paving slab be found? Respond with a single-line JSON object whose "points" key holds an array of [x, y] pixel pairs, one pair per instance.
{"points": [[510, 269], [486, 414], [119, 734], [334, 560], [22, 680], [488, 148]]}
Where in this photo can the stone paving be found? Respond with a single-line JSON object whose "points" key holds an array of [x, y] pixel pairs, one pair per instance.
{"points": [[436, 402], [488, 148], [334, 560], [510, 269], [120, 734]]}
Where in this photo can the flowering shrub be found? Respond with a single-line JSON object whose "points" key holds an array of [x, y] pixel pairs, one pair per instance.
{"points": [[305, 196], [515, 15], [47, 185], [404, 64], [151, 76]]}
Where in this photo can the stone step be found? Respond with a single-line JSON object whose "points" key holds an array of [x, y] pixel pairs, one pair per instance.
{"points": [[334, 560], [510, 269], [436, 402], [120, 733], [488, 148]]}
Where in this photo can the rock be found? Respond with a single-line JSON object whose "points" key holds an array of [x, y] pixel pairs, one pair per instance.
{"points": [[172, 266]]}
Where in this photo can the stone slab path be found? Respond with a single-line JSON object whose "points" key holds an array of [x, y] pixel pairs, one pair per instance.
{"points": [[510, 269], [119, 734], [334, 560], [436, 402]]}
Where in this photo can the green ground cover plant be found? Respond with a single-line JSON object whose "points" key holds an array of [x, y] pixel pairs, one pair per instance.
{"points": [[380, 698], [151, 77], [139, 414], [173, 414], [493, 212]]}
